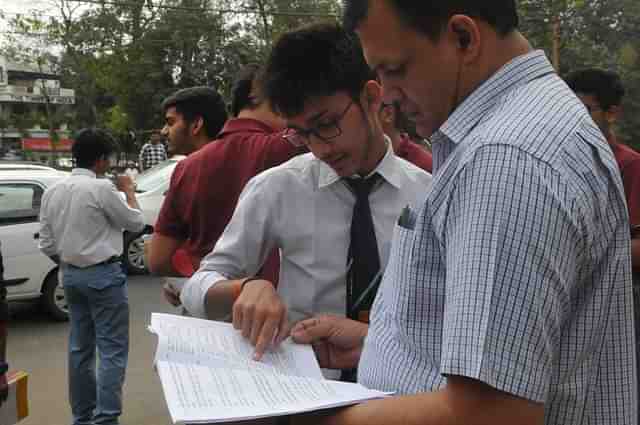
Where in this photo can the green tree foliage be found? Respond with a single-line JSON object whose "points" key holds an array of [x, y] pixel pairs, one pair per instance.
{"points": [[127, 55], [593, 33]]}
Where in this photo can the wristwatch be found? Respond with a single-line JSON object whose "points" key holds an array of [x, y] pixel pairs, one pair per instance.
{"points": [[4, 367]]}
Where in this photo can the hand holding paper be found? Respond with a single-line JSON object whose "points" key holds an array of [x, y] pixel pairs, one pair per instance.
{"points": [[337, 341], [208, 375]]}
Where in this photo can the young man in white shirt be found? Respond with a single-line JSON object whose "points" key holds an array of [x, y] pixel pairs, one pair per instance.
{"points": [[318, 80], [82, 218]]}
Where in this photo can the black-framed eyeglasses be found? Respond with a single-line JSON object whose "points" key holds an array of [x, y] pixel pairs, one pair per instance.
{"points": [[323, 132]]}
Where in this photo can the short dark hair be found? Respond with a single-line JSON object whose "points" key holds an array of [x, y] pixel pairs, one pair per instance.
{"points": [[314, 61], [91, 145], [430, 17], [194, 102], [605, 86], [244, 93]]}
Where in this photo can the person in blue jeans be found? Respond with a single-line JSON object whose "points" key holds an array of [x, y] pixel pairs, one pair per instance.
{"points": [[81, 223]]}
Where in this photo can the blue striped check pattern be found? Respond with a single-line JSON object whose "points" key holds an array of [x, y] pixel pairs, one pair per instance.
{"points": [[517, 272]]}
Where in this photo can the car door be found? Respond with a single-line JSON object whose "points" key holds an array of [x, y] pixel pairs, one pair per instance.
{"points": [[25, 266]]}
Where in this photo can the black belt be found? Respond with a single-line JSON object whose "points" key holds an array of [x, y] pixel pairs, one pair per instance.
{"points": [[110, 260]]}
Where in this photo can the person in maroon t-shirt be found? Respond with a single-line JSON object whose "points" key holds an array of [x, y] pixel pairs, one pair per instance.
{"points": [[392, 120], [193, 117], [205, 186]]}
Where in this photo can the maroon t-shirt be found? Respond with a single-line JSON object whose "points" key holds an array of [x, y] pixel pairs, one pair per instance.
{"points": [[415, 154], [206, 185], [629, 163]]}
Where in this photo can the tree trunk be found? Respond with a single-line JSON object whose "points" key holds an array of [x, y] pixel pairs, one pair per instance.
{"points": [[556, 42]]}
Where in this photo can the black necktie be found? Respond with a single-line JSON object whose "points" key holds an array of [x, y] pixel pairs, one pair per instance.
{"points": [[364, 260]]}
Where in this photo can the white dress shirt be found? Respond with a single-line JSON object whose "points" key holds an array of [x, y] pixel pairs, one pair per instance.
{"points": [[82, 218], [304, 208]]}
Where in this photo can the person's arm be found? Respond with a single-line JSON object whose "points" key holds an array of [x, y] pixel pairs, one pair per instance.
{"points": [[257, 310], [161, 254], [46, 241], [462, 402], [338, 341], [245, 244], [125, 215], [126, 185], [171, 229]]}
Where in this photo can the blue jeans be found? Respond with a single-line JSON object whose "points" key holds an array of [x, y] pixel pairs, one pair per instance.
{"points": [[99, 315]]}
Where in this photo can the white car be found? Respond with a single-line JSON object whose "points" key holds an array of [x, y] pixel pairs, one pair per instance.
{"points": [[23, 165], [151, 187], [28, 273]]}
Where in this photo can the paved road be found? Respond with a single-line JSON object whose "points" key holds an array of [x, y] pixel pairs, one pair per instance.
{"points": [[39, 346]]}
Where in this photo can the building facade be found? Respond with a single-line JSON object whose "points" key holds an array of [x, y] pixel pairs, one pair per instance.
{"points": [[26, 92]]}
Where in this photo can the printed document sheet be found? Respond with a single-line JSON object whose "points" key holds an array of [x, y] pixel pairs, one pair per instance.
{"points": [[208, 375]]}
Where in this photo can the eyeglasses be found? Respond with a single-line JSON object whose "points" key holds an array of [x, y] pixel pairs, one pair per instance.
{"points": [[325, 132]]}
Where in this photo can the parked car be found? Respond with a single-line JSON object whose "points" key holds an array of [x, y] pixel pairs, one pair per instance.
{"points": [[29, 274], [151, 187], [23, 165]]}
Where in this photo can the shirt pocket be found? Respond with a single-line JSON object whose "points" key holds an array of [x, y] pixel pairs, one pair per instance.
{"points": [[395, 277]]}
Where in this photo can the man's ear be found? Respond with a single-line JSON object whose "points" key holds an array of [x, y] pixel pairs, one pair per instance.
{"points": [[464, 32], [197, 126]]}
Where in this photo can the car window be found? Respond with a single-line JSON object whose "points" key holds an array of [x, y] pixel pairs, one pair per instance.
{"points": [[155, 177], [19, 202]]}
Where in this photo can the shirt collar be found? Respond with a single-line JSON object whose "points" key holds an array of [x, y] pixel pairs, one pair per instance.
{"points": [[520, 71], [236, 125], [387, 168], [83, 172]]}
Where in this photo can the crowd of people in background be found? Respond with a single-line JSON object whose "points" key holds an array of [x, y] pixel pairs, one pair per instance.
{"points": [[497, 290]]}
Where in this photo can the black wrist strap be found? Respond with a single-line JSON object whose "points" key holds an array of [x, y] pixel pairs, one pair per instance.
{"points": [[247, 280]]}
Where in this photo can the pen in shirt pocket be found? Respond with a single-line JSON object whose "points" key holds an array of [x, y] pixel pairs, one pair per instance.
{"points": [[406, 219]]}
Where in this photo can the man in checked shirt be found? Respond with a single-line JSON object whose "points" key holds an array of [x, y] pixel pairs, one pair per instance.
{"points": [[507, 298], [152, 153]]}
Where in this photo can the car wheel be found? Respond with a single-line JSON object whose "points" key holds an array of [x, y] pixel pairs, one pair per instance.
{"points": [[53, 299], [134, 253]]}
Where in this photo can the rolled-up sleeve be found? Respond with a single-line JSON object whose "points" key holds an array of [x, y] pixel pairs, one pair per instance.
{"points": [[194, 293], [243, 247]]}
